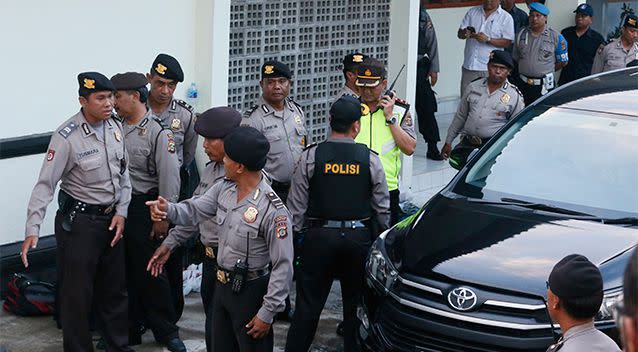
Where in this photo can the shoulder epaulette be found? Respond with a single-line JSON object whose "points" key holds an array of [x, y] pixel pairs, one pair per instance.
{"points": [[161, 123], [144, 122], [252, 109], [310, 145], [275, 200], [516, 89], [184, 105], [373, 152], [68, 129], [297, 105]]}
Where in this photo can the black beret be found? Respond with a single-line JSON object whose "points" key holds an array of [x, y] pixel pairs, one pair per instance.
{"points": [[91, 82], [274, 68], [352, 61], [501, 57], [129, 81], [370, 73], [346, 109], [167, 67], [631, 21], [575, 276], [247, 146], [217, 122]]}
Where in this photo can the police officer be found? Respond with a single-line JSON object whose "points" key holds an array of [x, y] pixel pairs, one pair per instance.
{"points": [[154, 170], [87, 154], [338, 191], [427, 74], [282, 121], [350, 64], [539, 51], [164, 75], [620, 51], [574, 296], [386, 126], [255, 244], [213, 124], [487, 105], [582, 43]]}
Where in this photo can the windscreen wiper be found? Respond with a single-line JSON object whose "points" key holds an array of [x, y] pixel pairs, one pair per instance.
{"points": [[530, 205]]}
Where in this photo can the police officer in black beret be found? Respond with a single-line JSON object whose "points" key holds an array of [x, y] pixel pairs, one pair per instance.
{"points": [[574, 296], [255, 244], [339, 201], [87, 154], [351, 63], [165, 73], [213, 124]]}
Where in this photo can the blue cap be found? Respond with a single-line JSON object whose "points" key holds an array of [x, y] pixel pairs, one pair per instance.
{"points": [[540, 8], [585, 9]]}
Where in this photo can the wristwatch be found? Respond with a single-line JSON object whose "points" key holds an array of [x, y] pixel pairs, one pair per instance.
{"points": [[391, 121]]}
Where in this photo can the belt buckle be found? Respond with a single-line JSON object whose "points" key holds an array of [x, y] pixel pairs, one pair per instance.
{"points": [[221, 277], [108, 209], [210, 253], [530, 81]]}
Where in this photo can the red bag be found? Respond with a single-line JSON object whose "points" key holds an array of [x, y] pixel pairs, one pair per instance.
{"points": [[28, 297]]}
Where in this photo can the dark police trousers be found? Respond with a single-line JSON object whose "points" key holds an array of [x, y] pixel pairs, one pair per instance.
{"points": [[207, 290], [425, 103], [531, 92], [92, 278], [150, 298], [232, 311], [326, 254]]}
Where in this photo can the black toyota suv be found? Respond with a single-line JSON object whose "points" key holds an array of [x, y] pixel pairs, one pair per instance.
{"points": [[468, 271]]}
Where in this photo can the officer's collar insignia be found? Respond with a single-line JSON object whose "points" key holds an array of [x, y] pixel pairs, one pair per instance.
{"points": [[89, 83], [161, 69], [250, 215], [367, 73], [364, 109], [174, 105], [144, 122], [257, 191], [357, 58], [86, 129], [505, 98], [265, 108], [269, 69]]}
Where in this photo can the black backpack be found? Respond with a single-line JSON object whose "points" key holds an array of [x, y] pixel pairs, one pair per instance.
{"points": [[29, 297]]}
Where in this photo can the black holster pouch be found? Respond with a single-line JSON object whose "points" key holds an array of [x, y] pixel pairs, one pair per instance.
{"points": [[65, 202], [240, 273]]}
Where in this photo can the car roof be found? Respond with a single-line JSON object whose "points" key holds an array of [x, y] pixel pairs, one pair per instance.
{"points": [[610, 92]]}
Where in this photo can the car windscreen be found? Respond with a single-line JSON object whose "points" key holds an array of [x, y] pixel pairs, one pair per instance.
{"points": [[581, 160]]}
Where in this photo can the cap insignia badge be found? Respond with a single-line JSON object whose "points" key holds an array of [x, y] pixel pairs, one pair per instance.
{"points": [[161, 69], [269, 69], [89, 83]]}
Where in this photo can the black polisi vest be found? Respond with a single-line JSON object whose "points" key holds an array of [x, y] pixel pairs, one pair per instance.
{"points": [[340, 188]]}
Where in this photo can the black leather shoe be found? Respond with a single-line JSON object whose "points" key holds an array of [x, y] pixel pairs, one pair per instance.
{"points": [[175, 344], [434, 155]]}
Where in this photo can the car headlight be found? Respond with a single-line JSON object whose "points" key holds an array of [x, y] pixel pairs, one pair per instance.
{"points": [[610, 299], [379, 266]]}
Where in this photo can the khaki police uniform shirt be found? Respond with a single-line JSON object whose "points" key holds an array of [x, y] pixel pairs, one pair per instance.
{"points": [[153, 163], [300, 188], [92, 167], [535, 54], [286, 132], [613, 56], [259, 219], [584, 338], [180, 118], [481, 113], [180, 234], [428, 44]]}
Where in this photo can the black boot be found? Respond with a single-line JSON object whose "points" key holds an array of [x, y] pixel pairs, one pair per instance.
{"points": [[433, 152]]}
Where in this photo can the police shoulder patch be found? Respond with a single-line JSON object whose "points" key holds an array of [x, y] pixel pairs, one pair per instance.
{"points": [[68, 129], [185, 105], [250, 111], [275, 200]]}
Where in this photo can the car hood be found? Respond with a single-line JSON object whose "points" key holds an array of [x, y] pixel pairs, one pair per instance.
{"points": [[511, 249]]}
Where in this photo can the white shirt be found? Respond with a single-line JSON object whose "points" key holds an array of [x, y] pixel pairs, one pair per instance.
{"points": [[499, 25]]}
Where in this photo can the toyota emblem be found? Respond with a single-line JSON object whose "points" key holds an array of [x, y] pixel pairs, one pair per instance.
{"points": [[462, 298]]}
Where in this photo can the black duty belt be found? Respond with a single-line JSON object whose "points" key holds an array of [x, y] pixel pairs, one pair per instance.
{"points": [[72, 205], [225, 276], [337, 224]]}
